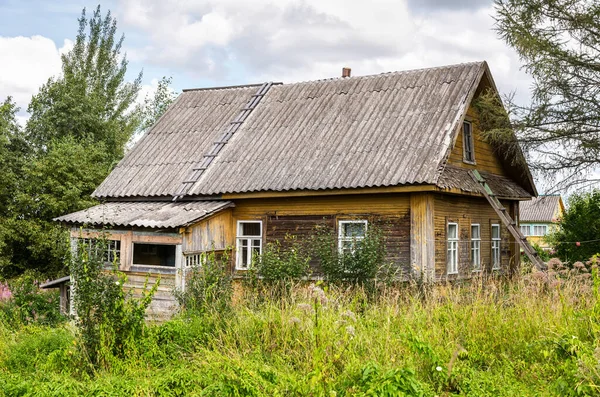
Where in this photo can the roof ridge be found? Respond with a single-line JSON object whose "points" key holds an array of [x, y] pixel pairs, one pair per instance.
{"points": [[366, 76]]}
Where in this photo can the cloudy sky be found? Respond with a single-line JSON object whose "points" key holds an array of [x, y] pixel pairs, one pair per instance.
{"points": [[204, 43]]}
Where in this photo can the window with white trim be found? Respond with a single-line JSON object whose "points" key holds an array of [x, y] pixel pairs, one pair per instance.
{"points": [[496, 247], [249, 243], [452, 248], [111, 249], [526, 230], [350, 234], [476, 247], [468, 147], [540, 230]]}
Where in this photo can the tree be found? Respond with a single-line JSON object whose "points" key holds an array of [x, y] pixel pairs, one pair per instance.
{"points": [[579, 224], [91, 102], [559, 43]]}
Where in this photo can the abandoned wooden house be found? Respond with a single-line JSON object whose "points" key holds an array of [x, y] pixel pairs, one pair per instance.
{"points": [[243, 166]]}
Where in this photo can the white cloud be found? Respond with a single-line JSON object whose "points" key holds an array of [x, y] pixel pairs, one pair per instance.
{"points": [[27, 63], [293, 40]]}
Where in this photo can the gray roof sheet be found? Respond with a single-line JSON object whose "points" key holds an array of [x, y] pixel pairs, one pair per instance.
{"points": [[539, 209], [368, 131], [145, 214], [459, 178]]}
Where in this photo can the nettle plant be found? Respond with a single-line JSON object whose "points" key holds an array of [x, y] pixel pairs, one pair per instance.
{"points": [[362, 265], [110, 319], [279, 268], [208, 286]]}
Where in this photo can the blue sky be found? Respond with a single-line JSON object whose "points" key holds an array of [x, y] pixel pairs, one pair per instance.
{"points": [[203, 43]]}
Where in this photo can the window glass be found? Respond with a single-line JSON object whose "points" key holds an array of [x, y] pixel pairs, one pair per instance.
{"points": [[468, 142], [350, 234], [525, 230], [495, 247], [249, 242], [476, 246], [452, 248], [154, 254]]}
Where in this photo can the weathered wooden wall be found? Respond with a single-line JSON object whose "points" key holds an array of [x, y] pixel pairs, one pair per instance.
{"points": [[214, 233], [163, 303], [485, 158], [298, 216], [466, 211]]}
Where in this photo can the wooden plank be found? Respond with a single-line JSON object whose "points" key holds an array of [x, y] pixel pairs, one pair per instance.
{"points": [[422, 235]]}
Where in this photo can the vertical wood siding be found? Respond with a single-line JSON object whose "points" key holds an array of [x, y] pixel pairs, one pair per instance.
{"points": [[485, 157]]}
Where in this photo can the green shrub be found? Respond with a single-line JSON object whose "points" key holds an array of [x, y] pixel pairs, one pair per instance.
{"points": [[28, 304], [360, 266], [278, 269], [109, 318], [208, 286]]}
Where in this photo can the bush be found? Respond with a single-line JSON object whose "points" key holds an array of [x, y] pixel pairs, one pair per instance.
{"points": [[580, 223], [208, 286], [28, 304], [361, 266], [274, 273], [109, 319]]}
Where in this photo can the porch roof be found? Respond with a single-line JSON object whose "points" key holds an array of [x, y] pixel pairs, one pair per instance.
{"points": [[145, 214]]}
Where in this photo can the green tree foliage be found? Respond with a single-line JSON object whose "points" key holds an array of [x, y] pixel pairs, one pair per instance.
{"points": [[580, 223], [559, 44], [80, 125], [91, 102]]}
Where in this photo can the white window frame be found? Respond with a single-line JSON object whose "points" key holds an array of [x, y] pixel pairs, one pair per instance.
{"points": [[476, 248], [526, 227], [496, 252], [342, 238], [239, 241], [535, 234], [471, 143], [452, 250]]}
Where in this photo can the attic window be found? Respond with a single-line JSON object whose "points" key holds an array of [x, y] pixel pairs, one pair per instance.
{"points": [[468, 148]]}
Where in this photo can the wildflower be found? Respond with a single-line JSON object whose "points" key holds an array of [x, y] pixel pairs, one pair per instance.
{"points": [[438, 368], [117, 283], [295, 321], [349, 315], [350, 330], [305, 307], [578, 265], [555, 263]]}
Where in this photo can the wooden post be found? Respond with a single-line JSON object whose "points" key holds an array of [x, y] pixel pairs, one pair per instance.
{"points": [[422, 236]]}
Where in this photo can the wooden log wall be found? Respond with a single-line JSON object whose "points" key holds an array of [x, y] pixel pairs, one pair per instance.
{"points": [[466, 211], [298, 216]]}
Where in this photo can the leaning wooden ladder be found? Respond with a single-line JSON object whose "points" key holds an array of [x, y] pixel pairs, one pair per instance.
{"points": [[219, 144], [510, 224]]}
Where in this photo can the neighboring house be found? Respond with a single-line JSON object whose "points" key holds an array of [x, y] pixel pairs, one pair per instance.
{"points": [[244, 166], [539, 217]]}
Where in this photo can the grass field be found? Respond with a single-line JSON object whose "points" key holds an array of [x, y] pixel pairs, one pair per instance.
{"points": [[488, 338]]}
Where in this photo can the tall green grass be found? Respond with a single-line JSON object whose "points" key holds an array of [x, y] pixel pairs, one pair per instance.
{"points": [[485, 338]]}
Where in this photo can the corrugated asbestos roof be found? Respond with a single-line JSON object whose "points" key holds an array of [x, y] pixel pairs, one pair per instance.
{"points": [[459, 178], [383, 130], [145, 214], [539, 209]]}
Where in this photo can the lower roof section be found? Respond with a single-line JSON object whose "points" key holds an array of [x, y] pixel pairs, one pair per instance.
{"points": [[161, 215], [503, 187]]}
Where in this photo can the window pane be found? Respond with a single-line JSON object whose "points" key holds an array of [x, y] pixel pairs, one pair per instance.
{"points": [[452, 231], [250, 229], [475, 232], [495, 231], [353, 229], [154, 254]]}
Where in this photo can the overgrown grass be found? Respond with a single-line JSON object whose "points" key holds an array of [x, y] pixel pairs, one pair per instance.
{"points": [[487, 338]]}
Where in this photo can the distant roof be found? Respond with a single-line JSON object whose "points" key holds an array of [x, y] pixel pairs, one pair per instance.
{"points": [[369, 131], [162, 215], [540, 209]]}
